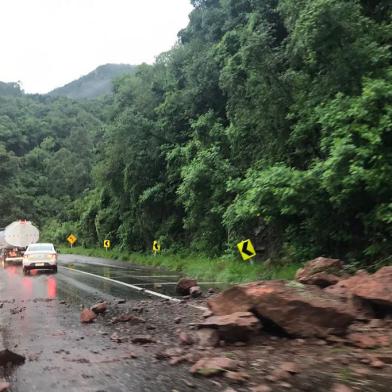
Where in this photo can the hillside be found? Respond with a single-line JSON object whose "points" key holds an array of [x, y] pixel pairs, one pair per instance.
{"points": [[10, 89], [94, 84]]}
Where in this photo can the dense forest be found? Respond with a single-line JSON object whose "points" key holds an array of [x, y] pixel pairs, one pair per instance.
{"points": [[269, 120]]}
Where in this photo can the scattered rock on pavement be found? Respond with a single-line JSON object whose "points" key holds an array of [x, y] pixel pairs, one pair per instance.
{"points": [[195, 292], [184, 285], [212, 366], [377, 364], [362, 340], [261, 388], [237, 377], [7, 356], [296, 309], [278, 375], [124, 318], [4, 386], [341, 388], [208, 337], [87, 316], [169, 353], [116, 338], [321, 272], [185, 338], [143, 339], [290, 367], [233, 327], [99, 308]]}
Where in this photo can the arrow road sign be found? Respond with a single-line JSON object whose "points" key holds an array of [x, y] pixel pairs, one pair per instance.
{"points": [[106, 244], [246, 249], [156, 247]]}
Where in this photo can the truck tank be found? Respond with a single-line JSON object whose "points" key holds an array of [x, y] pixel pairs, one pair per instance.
{"points": [[19, 234]]}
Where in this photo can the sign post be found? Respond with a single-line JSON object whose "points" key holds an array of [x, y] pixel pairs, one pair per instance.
{"points": [[106, 244], [247, 250], [72, 239], [156, 247]]}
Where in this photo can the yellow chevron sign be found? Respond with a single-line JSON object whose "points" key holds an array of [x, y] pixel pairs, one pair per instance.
{"points": [[246, 249], [156, 247]]}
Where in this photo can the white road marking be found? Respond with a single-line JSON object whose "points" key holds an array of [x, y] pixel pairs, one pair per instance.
{"points": [[173, 283], [131, 286], [152, 277], [99, 265]]}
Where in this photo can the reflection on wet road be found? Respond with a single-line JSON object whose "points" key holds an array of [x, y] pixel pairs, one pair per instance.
{"points": [[39, 318], [70, 286], [147, 278]]}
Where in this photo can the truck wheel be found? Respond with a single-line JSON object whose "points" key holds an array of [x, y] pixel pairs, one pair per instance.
{"points": [[26, 271], [55, 270]]}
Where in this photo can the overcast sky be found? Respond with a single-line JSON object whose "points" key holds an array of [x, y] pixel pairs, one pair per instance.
{"points": [[48, 43]]}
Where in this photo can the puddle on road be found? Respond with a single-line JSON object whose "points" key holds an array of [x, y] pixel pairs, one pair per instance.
{"points": [[150, 279], [76, 287]]}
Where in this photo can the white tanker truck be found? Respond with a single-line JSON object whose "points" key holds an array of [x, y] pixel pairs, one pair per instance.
{"points": [[15, 238]]}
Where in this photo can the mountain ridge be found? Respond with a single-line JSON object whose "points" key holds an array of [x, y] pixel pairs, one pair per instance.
{"points": [[96, 83]]}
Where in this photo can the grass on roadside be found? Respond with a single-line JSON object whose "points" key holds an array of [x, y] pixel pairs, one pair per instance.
{"points": [[223, 269]]}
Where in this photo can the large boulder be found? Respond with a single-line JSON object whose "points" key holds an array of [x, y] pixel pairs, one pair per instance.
{"points": [[321, 272], [239, 326], [374, 291], [184, 286], [344, 288], [289, 307], [376, 288]]}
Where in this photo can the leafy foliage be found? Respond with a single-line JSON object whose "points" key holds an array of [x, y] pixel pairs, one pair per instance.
{"points": [[269, 119]]}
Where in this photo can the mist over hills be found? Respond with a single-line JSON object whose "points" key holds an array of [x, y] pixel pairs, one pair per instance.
{"points": [[95, 84]]}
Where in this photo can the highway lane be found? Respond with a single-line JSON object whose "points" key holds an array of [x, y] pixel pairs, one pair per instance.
{"points": [[40, 319], [148, 278]]}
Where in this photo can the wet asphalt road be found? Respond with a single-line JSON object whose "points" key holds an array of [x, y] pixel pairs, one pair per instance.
{"points": [[40, 319]]}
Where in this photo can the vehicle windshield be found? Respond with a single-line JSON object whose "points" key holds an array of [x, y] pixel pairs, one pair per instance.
{"points": [[41, 248]]}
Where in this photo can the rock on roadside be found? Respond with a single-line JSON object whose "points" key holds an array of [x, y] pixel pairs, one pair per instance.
{"points": [[87, 316], [184, 285], [297, 309], [4, 386], [374, 291], [212, 366], [195, 292], [239, 326], [7, 356], [99, 308], [125, 318], [208, 337], [143, 339], [321, 272]]}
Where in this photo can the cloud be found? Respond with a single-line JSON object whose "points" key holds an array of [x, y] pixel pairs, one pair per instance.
{"points": [[48, 43]]}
